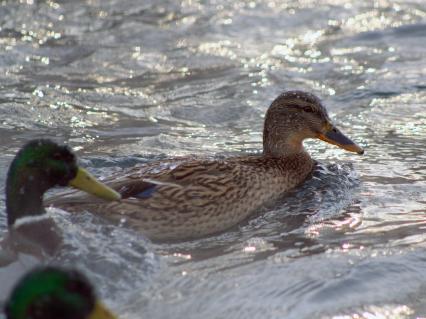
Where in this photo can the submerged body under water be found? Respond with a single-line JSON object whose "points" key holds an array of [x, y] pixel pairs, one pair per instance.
{"points": [[126, 83]]}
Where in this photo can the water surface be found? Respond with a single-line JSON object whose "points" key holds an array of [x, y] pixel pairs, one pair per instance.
{"points": [[128, 82]]}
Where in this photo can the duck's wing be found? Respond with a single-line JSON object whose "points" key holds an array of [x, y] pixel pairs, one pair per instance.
{"points": [[205, 176], [131, 176]]}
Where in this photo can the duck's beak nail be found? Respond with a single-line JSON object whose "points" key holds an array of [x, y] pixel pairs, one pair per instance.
{"points": [[101, 312], [334, 136], [87, 183]]}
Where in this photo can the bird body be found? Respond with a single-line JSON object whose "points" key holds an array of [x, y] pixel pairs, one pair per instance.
{"points": [[197, 198]]}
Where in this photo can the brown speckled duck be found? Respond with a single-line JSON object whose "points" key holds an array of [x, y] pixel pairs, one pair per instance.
{"points": [[197, 198]]}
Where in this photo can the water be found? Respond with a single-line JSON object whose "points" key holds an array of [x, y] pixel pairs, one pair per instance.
{"points": [[128, 82]]}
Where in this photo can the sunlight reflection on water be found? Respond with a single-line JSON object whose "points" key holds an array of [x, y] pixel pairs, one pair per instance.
{"points": [[127, 82]]}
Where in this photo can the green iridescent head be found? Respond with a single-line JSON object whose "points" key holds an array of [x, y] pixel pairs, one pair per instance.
{"points": [[39, 166], [55, 164], [53, 293]]}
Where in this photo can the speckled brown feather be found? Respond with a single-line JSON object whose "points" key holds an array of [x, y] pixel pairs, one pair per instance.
{"points": [[197, 198]]}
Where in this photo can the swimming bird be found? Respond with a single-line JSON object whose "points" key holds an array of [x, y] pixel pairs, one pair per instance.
{"points": [[198, 198], [40, 165], [54, 293]]}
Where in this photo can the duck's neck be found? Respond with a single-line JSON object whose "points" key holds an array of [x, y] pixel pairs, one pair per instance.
{"points": [[24, 195], [277, 146]]}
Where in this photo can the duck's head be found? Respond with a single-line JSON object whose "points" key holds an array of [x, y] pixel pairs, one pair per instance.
{"points": [[53, 293], [294, 116], [39, 166]]}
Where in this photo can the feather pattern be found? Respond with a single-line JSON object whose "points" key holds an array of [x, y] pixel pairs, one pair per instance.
{"points": [[197, 198]]}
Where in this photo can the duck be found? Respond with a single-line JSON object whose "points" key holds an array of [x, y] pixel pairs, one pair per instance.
{"points": [[201, 197], [54, 292], [40, 165]]}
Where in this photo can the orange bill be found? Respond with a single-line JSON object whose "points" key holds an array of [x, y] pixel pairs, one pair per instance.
{"points": [[333, 136]]}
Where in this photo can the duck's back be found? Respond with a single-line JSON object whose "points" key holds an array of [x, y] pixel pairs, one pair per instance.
{"points": [[197, 198]]}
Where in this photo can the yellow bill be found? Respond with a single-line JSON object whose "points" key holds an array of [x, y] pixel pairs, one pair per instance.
{"points": [[333, 136], [101, 312], [86, 182]]}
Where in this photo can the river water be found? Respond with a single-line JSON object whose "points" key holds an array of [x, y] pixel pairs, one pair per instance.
{"points": [[127, 82]]}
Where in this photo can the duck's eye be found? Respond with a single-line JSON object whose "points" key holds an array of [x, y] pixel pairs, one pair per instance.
{"points": [[308, 109], [57, 156]]}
